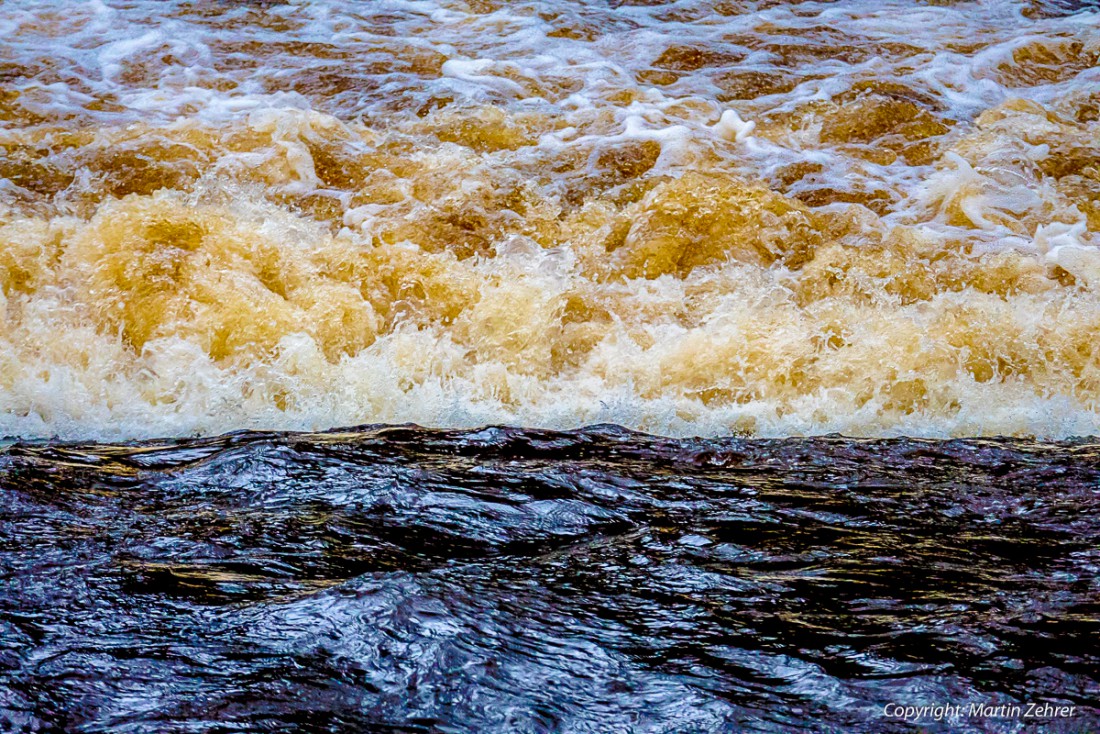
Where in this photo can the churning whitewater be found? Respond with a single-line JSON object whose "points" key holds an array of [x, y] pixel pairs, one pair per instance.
{"points": [[872, 217]]}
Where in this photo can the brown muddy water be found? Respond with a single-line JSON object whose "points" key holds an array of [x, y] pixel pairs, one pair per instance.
{"points": [[745, 225], [877, 218]]}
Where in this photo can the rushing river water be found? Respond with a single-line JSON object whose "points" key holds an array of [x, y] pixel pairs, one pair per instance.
{"points": [[502, 580], [749, 220], [872, 217]]}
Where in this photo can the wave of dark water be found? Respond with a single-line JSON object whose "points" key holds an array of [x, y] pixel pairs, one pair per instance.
{"points": [[500, 580]]}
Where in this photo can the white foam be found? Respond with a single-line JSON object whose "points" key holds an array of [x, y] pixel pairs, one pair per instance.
{"points": [[731, 127], [152, 72]]}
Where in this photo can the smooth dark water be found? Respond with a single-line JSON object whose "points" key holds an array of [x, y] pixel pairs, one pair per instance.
{"points": [[408, 580]]}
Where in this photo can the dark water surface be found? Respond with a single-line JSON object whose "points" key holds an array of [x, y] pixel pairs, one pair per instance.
{"points": [[501, 580]]}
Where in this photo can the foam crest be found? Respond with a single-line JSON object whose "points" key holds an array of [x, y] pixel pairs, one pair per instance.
{"points": [[688, 218]]}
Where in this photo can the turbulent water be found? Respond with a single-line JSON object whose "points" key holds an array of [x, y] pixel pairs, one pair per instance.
{"points": [[739, 219], [499, 580], [875, 217]]}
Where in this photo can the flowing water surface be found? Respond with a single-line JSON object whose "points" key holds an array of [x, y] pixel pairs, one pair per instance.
{"points": [[704, 217], [503, 580], [741, 220]]}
